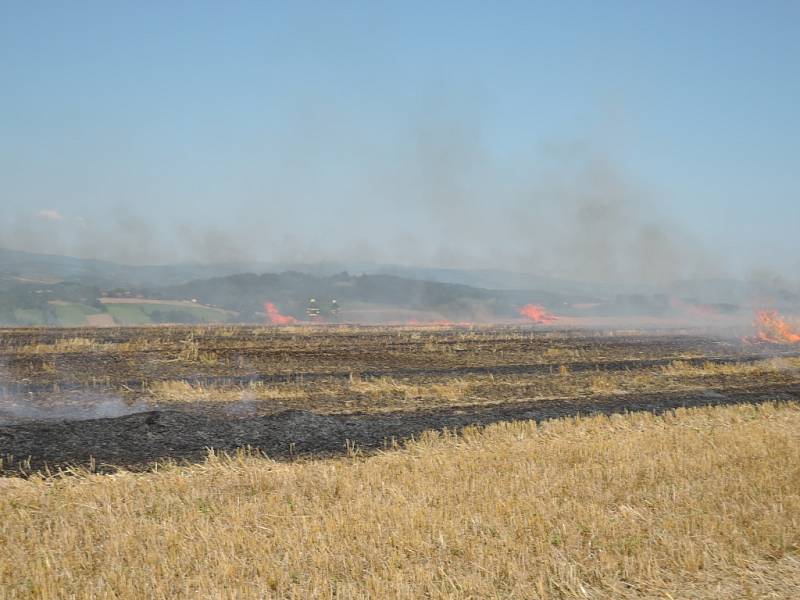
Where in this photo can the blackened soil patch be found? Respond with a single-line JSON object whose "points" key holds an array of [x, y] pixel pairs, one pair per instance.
{"points": [[138, 441]]}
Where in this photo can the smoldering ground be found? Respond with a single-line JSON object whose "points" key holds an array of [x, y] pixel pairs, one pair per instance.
{"points": [[17, 409], [18, 405]]}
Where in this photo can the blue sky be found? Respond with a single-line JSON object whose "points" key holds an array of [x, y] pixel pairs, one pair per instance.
{"points": [[526, 135]]}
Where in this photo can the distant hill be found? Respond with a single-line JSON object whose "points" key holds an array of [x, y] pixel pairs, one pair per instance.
{"points": [[38, 289], [46, 268], [246, 294], [41, 289]]}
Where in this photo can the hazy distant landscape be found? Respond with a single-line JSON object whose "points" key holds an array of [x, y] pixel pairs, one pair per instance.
{"points": [[53, 290]]}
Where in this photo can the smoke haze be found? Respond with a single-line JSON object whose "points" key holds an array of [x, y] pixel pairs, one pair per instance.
{"points": [[439, 199], [595, 143]]}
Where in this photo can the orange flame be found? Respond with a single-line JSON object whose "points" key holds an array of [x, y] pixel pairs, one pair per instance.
{"points": [[275, 317], [773, 328], [537, 313]]}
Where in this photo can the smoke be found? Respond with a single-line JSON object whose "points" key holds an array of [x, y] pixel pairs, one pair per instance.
{"points": [[48, 214], [444, 191], [19, 406], [126, 237], [586, 220], [14, 409], [564, 210]]}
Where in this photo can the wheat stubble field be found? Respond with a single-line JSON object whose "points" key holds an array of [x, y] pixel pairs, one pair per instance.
{"points": [[397, 462]]}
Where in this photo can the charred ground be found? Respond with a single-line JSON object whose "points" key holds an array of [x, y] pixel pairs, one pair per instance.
{"points": [[129, 397]]}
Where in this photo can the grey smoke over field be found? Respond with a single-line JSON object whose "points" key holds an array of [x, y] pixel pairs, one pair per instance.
{"points": [[17, 405], [563, 210], [14, 409], [439, 194], [595, 224]]}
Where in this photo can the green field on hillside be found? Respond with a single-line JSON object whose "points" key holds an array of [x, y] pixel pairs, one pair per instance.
{"points": [[145, 312], [74, 315], [29, 316]]}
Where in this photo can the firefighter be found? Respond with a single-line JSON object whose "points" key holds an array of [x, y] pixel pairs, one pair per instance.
{"points": [[312, 310]]}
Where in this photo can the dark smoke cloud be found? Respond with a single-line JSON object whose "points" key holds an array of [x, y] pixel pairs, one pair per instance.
{"points": [[568, 211], [584, 219]]}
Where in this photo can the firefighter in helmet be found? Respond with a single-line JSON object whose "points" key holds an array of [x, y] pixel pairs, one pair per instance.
{"points": [[334, 309], [312, 310]]}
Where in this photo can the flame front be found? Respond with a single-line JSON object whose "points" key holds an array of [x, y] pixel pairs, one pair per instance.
{"points": [[275, 317], [773, 328], [537, 313]]}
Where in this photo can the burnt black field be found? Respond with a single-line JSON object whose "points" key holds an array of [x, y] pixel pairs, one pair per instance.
{"points": [[134, 397]]}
